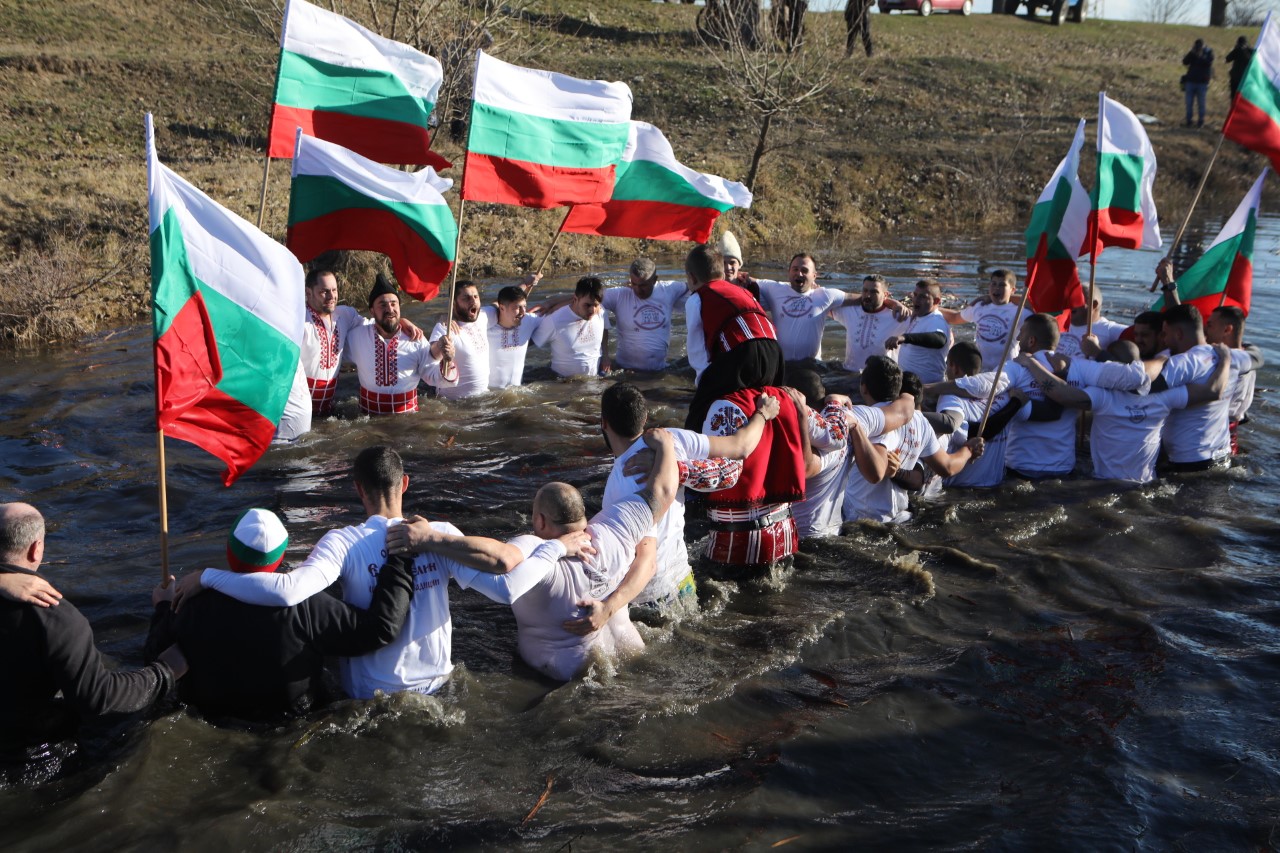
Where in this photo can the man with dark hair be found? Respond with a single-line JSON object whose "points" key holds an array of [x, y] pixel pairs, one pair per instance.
{"points": [[799, 308], [642, 312], [706, 463], [54, 676], [1198, 438], [1146, 333], [922, 348], [992, 317], [1042, 441], [391, 364], [266, 663], [868, 323], [1240, 56], [923, 455], [575, 332], [1195, 83], [511, 327], [866, 493], [965, 414], [1226, 326], [468, 331], [418, 659]]}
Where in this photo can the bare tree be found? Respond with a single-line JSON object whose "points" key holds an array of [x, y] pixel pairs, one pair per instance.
{"points": [[775, 79], [1169, 11], [1246, 13], [730, 22]]}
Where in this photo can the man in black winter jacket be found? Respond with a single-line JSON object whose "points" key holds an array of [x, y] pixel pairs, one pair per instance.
{"points": [[265, 664]]}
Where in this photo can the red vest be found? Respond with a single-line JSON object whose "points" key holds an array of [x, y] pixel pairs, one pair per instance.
{"points": [[731, 316], [774, 472]]}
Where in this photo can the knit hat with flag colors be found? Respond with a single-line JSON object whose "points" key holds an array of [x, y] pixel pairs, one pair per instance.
{"points": [[257, 542]]}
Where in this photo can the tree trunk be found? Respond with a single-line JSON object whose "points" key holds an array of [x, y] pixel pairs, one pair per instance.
{"points": [[727, 22], [1218, 13], [758, 154]]}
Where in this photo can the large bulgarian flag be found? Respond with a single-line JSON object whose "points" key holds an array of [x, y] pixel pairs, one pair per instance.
{"points": [[1226, 267], [1059, 222], [340, 82], [1254, 120], [227, 306], [340, 200], [1124, 208], [656, 197], [542, 139]]}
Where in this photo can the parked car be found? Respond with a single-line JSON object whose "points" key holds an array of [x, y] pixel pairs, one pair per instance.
{"points": [[1059, 10], [926, 7]]}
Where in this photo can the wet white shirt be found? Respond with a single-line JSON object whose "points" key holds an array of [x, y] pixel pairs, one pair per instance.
{"points": [[1039, 448], [394, 366], [324, 340], [508, 347], [1106, 331], [872, 501], [799, 317], [992, 325], [1125, 438], [575, 343], [866, 333], [643, 326], [471, 354], [988, 471], [1200, 432], [929, 364]]}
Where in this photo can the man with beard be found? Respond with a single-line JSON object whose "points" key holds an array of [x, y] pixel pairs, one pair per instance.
{"points": [[868, 324], [389, 363], [927, 339], [799, 308], [642, 311], [470, 338]]}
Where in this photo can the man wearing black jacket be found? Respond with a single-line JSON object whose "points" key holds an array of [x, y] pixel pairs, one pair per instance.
{"points": [[265, 663], [53, 674]]}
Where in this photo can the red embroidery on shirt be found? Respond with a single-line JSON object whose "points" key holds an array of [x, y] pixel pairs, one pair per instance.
{"points": [[328, 343], [386, 364]]}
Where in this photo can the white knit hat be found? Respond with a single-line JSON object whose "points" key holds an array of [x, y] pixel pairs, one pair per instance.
{"points": [[257, 542], [729, 247]]}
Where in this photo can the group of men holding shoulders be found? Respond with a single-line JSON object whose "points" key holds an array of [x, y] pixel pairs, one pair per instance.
{"points": [[776, 457]]}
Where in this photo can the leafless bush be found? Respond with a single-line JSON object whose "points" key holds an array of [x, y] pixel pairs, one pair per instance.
{"points": [[1246, 13], [1169, 11]]}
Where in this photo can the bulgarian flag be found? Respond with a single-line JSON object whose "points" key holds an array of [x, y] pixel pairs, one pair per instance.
{"points": [[1254, 120], [227, 306], [656, 197], [1124, 209], [542, 139], [340, 82], [1226, 267], [340, 200], [1059, 222]]}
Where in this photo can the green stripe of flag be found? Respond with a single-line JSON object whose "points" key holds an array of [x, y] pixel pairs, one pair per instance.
{"points": [[1046, 218], [644, 180], [314, 196], [172, 281], [1119, 183], [1210, 274], [253, 353], [1261, 91], [566, 144], [311, 84]]}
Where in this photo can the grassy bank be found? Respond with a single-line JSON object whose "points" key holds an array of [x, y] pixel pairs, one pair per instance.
{"points": [[955, 124]]}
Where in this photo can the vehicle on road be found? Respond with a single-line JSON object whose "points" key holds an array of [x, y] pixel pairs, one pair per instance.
{"points": [[925, 8]]}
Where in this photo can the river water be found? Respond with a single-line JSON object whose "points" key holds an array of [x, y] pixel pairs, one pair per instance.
{"points": [[1059, 665]]}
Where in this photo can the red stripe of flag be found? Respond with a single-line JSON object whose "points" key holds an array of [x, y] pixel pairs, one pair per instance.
{"points": [[376, 138]]}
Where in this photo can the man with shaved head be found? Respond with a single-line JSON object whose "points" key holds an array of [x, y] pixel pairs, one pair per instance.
{"points": [[54, 676]]}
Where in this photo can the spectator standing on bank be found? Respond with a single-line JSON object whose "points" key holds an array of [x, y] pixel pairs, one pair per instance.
{"points": [[1195, 83], [1239, 58]]}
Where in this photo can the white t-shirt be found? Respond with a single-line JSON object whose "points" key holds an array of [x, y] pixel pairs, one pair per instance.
{"points": [[1200, 432], [1039, 448], [872, 501], [818, 514], [929, 364], [1106, 331], [508, 347], [866, 333], [988, 471], [1241, 386], [471, 354], [418, 659], [992, 325], [673, 555], [575, 343], [295, 420], [644, 325], [323, 340], [799, 317], [392, 366], [918, 440], [545, 588], [1125, 438]]}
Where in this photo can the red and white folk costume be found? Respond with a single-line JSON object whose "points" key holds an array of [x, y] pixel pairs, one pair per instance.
{"points": [[391, 368], [323, 339]]}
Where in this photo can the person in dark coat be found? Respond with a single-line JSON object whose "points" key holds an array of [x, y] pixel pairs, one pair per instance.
{"points": [[1195, 83], [1239, 57]]}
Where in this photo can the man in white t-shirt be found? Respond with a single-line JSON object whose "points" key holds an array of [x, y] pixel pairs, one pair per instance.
{"points": [[706, 463], [799, 308], [923, 346], [868, 493], [642, 318], [575, 332], [1042, 439], [992, 318], [1072, 342], [964, 414], [390, 364], [469, 334], [419, 658], [511, 327], [1199, 438], [1125, 437], [868, 324], [1225, 325]]}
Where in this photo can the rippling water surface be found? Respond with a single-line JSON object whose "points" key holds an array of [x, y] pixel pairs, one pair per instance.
{"points": [[1058, 665]]}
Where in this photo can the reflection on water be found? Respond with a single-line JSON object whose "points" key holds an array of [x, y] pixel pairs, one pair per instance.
{"points": [[1057, 665]]}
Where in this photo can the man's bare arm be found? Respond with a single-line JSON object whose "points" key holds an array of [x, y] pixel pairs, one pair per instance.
{"points": [[664, 480], [597, 613], [416, 535], [1054, 388]]}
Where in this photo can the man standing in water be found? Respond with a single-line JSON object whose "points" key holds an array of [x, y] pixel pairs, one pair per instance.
{"points": [[642, 311], [799, 308], [54, 676], [511, 327], [469, 334], [992, 318], [868, 324], [389, 364], [922, 348], [575, 332]]}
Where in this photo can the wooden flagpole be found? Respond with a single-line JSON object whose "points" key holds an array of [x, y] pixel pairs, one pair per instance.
{"points": [[1173, 247], [164, 512], [262, 200], [266, 164], [1008, 344], [552, 247]]}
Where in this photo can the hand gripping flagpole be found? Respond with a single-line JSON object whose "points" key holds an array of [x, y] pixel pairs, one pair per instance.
{"points": [[1008, 344]]}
